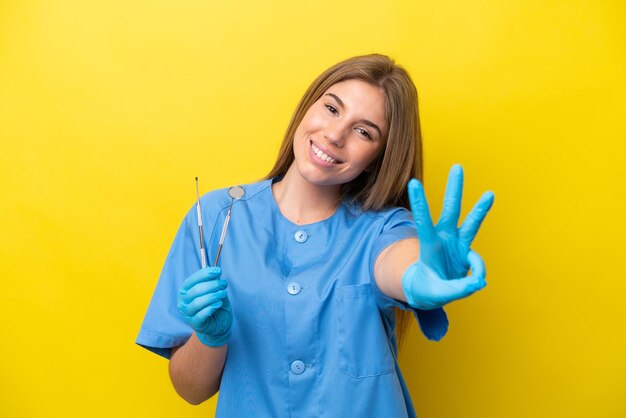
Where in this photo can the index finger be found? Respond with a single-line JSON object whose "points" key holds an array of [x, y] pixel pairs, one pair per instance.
{"points": [[421, 213], [202, 275]]}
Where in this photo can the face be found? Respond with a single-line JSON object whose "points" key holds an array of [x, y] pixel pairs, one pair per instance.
{"points": [[341, 133]]}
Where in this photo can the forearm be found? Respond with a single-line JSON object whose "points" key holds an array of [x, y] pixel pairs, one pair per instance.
{"points": [[196, 370], [391, 265]]}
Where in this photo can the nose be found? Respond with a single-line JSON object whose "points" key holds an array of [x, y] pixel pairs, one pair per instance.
{"points": [[335, 133]]}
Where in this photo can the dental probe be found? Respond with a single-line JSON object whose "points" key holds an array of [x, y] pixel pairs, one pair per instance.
{"points": [[202, 251]]}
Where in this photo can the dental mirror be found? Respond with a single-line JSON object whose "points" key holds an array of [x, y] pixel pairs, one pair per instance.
{"points": [[236, 192]]}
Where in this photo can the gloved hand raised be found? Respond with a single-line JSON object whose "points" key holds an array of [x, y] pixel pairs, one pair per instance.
{"points": [[203, 302], [439, 276]]}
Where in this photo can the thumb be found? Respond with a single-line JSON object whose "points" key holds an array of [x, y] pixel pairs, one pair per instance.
{"points": [[463, 287]]}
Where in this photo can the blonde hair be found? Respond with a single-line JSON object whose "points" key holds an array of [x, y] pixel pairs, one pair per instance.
{"points": [[384, 183]]}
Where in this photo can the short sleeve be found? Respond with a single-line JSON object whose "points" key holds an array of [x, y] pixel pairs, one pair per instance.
{"points": [[399, 225], [163, 327]]}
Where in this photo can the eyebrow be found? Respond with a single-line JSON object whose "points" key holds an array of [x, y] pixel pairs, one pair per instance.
{"points": [[364, 121]]}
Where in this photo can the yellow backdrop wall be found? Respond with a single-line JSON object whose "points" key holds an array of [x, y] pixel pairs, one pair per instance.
{"points": [[108, 110]]}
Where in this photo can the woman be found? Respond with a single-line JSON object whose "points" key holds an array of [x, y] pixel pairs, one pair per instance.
{"points": [[300, 318]]}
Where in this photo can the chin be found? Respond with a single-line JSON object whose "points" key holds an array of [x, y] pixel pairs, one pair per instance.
{"points": [[318, 178], [325, 179]]}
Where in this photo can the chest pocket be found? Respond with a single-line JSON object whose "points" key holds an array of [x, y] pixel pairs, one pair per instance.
{"points": [[363, 344]]}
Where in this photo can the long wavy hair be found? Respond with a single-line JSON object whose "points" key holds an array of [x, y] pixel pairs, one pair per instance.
{"points": [[384, 183]]}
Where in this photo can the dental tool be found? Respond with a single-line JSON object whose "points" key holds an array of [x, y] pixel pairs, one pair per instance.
{"points": [[199, 209], [235, 193]]}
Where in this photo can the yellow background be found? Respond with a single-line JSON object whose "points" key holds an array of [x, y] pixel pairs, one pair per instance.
{"points": [[109, 109]]}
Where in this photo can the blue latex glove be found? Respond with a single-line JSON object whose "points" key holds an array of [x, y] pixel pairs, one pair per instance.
{"points": [[203, 302], [439, 276]]}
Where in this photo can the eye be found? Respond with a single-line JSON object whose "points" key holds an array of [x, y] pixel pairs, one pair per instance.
{"points": [[364, 133], [331, 109]]}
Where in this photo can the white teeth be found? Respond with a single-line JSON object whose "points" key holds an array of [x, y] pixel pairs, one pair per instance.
{"points": [[322, 156]]}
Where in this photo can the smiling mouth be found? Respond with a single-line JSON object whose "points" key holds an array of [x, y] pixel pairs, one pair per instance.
{"points": [[320, 154]]}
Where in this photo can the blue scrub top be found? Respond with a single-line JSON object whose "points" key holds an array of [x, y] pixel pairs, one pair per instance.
{"points": [[312, 334]]}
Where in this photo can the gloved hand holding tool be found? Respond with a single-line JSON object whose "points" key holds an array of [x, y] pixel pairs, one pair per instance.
{"points": [[203, 302], [439, 276], [202, 299]]}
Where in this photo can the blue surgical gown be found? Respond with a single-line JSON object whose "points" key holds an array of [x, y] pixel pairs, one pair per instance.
{"points": [[312, 335]]}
